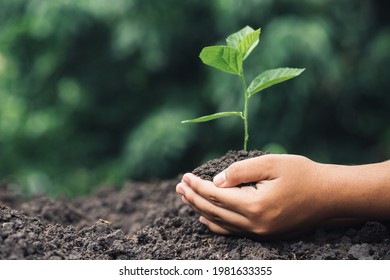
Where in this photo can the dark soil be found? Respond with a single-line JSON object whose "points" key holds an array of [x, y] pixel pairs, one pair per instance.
{"points": [[211, 168], [149, 221]]}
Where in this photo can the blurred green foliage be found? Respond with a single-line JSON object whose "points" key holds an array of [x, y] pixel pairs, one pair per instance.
{"points": [[92, 91]]}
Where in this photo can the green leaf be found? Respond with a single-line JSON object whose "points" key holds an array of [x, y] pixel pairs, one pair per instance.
{"points": [[248, 43], [213, 117], [234, 39], [271, 77], [224, 58]]}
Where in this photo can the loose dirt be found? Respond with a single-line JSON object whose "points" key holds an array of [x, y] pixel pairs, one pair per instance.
{"points": [[149, 221]]}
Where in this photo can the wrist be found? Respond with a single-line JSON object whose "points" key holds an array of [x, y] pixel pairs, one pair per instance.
{"points": [[361, 191]]}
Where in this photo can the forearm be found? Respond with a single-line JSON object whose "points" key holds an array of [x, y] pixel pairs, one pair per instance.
{"points": [[357, 191]]}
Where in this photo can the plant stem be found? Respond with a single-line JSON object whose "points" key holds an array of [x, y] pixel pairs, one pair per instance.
{"points": [[245, 113]]}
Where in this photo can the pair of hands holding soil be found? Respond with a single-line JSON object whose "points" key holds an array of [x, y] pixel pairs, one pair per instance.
{"points": [[292, 195]]}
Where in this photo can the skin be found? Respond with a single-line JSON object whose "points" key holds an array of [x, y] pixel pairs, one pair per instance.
{"points": [[293, 194]]}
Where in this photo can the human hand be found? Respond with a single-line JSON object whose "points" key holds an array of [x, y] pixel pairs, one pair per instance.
{"points": [[290, 195]]}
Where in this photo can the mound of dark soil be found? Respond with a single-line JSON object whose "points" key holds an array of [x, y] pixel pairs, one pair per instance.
{"points": [[208, 170], [148, 221]]}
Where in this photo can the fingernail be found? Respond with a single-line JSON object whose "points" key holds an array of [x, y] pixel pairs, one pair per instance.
{"points": [[186, 178], [220, 179], [203, 220], [179, 190]]}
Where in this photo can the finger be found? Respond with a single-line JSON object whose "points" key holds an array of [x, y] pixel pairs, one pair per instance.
{"points": [[212, 212], [234, 199], [246, 171], [179, 190], [208, 222], [214, 227], [185, 201]]}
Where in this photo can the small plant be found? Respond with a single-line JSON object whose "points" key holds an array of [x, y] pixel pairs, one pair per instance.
{"points": [[230, 59]]}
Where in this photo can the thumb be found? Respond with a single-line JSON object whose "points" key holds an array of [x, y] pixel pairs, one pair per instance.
{"points": [[245, 171]]}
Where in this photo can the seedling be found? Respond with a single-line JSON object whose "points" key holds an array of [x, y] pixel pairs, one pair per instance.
{"points": [[230, 59]]}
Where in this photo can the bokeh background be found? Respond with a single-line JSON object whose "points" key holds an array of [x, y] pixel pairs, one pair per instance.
{"points": [[92, 92]]}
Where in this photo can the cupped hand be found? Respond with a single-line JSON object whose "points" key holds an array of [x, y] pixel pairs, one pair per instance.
{"points": [[290, 196]]}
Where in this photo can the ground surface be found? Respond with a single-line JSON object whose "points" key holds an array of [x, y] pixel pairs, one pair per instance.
{"points": [[148, 221]]}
